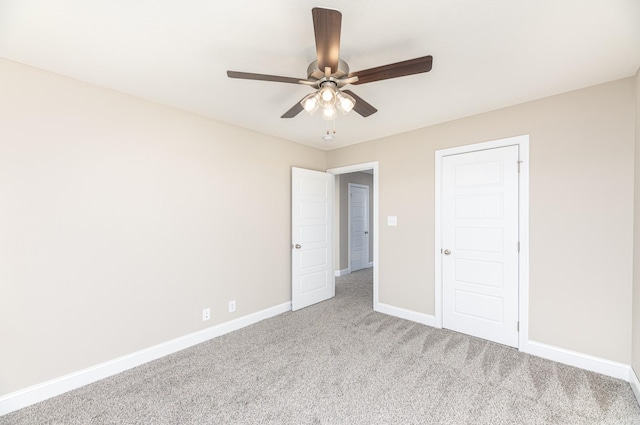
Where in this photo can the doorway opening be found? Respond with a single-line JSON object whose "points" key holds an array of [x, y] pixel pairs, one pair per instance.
{"points": [[361, 175]]}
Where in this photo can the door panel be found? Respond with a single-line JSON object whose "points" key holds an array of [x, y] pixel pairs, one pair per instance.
{"points": [[312, 237], [480, 239], [479, 272], [480, 234], [479, 305], [359, 226]]}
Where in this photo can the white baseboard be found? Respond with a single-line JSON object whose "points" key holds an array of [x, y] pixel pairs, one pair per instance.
{"points": [[635, 384], [402, 313], [573, 358], [34, 394], [560, 355], [342, 272], [348, 270]]}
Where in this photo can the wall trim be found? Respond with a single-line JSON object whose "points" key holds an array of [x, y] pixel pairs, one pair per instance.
{"points": [[402, 313], [39, 392], [580, 360], [348, 270], [635, 384], [343, 272], [549, 352]]}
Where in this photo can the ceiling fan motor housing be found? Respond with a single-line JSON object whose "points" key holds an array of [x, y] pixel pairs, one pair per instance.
{"points": [[314, 73]]}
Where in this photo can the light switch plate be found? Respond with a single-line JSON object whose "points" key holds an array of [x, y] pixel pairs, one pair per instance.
{"points": [[392, 220]]}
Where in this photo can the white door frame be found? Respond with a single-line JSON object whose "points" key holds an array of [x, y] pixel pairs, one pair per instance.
{"points": [[349, 186], [364, 167], [523, 230]]}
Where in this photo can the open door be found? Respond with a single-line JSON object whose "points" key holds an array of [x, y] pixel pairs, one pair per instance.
{"points": [[312, 277]]}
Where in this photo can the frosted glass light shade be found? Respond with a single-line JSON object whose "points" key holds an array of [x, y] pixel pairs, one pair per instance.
{"points": [[327, 96], [311, 102], [345, 102], [329, 113]]}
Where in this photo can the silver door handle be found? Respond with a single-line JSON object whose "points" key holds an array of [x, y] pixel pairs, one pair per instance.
{"points": [[447, 252], [298, 246]]}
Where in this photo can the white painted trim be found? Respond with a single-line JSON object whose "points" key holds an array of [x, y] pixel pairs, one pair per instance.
{"points": [[438, 240], [343, 272], [523, 207], [402, 313], [573, 358], [524, 241], [376, 225], [39, 392], [635, 384], [348, 270]]}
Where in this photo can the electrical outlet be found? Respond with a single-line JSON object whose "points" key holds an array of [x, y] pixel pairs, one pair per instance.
{"points": [[232, 306], [206, 314]]}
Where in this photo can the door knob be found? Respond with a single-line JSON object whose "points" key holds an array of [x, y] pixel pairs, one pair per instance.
{"points": [[447, 252], [298, 246], [366, 233]]}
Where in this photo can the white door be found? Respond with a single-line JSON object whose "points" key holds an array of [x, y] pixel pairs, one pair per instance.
{"points": [[358, 226], [480, 244], [312, 277]]}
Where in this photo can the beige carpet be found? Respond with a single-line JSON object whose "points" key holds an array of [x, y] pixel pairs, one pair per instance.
{"points": [[339, 362]]}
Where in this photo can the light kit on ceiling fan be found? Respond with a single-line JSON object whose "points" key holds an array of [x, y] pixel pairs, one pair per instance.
{"points": [[330, 99], [329, 74], [345, 102], [311, 102]]}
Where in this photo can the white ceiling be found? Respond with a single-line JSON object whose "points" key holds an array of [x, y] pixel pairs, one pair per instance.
{"points": [[487, 54]]}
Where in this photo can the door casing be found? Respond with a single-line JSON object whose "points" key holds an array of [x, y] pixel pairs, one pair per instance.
{"points": [[523, 230]]}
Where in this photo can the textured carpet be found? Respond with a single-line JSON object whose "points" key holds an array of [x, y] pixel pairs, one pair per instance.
{"points": [[339, 362]]}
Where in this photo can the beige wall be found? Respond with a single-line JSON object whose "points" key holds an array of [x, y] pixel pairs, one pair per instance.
{"points": [[581, 212], [120, 220], [636, 257], [343, 207]]}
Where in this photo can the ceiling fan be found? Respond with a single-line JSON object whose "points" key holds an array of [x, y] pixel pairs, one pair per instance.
{"points": [[329, 74]]}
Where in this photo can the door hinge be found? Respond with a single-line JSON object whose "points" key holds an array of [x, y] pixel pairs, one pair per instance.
{"points": [[519, 162], [518, 246], [518, 326]]}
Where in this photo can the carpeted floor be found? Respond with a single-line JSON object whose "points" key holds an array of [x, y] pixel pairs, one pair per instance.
{"points": [[339, 362]]}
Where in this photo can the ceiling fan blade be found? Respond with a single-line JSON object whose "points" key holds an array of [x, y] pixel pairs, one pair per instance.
{"points": [[262, 77], [361, 107], [295, 110], [326, 25], [394, 70]]}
